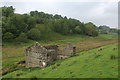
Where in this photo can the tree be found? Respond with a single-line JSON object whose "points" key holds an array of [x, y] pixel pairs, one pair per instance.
{"points": [[104, 29], [7, 11], [113, 30], [91, 29], [56, 16], [31, 23], [22, 38], [78, 29], [71, 32], [17, 24], [8, 36], [65, 30], [34, 13]]}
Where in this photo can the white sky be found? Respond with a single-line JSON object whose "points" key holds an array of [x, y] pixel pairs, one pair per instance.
{"points": [[100, 12]]}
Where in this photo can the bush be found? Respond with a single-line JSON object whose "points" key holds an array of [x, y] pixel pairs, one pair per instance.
{"points": [[8, 36], [53, 67], [91, 29], [104, 32], [112, 56], [57, 64], [97, 55], [34, 34], [22, 38], [95, 33], [71, 32], [77, 29]]}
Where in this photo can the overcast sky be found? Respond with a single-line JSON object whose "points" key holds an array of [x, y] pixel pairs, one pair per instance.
{"points": [[103, 12]]}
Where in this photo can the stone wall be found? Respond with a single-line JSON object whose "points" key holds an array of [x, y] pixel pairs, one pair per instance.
{"points": [[69, 50], [40, 56], [35, 55]]}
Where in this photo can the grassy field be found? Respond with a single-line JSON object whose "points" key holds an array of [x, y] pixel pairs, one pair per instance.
{"points": [[94, 63], [12, 53]]}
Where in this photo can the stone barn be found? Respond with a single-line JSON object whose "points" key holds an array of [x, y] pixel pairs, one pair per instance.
{"points": [[69, 50], [40, 56]]}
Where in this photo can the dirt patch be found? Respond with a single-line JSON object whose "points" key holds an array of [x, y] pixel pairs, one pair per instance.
{"points": [[91, 43], [87, 44]]}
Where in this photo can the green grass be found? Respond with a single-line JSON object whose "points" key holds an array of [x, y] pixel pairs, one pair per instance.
{"points": [[12, 53], [94, 63], [67, 40], [108, 36], [58, 38]]}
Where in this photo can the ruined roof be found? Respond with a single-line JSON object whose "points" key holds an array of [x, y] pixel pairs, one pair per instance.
{"points": [[51, 47], [36, 47], [69, 45]]}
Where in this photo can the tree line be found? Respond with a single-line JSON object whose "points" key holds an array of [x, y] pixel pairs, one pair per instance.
{"points": [[21, 27]]}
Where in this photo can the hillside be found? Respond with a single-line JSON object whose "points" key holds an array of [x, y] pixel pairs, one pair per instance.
{"points": [[18, 28], [101, 62], [85, 52]]}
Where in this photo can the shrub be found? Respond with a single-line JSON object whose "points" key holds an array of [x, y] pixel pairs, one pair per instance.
{"points": [[112, 56], [71, 32], [18, 74], [8, 36], [95, 33], [57, 64], [34, 34], [91, 29], [33, 77], [22, 38], [78, 30], [97, 55], [53, 66], [100, 49]]}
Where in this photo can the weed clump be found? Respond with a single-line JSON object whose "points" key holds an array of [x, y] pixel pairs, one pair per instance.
{"points": [[34, 78], [94, 53], [29, 70], [114, 48], [71, 72], [112, 56], [18, 74], [53, 67], [57, 64], [97, 55], [100, 49]]}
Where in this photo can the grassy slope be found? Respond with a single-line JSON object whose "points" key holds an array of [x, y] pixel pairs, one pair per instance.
{"points": [[86, 64], [57, 38], [12, 53]]}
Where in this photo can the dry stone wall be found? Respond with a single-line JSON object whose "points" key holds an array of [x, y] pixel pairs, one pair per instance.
{"points": [[40, 56]]}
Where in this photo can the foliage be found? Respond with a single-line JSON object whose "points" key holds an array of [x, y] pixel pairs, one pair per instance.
{"points": [[22, 38], [91, 29], [7, 11], [104, 29], [8, 36], [71, 32], [34, 34], [18, 24], [23, 23], [77, 29], [112, 56], [113, 30]]}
